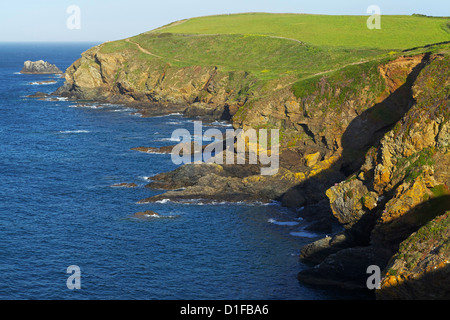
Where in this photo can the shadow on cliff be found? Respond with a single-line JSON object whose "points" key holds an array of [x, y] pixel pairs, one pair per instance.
{"points": [[364, 131], [346, 266]]}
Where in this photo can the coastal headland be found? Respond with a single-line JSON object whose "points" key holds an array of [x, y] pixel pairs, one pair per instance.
{"points": [[363, 120]]}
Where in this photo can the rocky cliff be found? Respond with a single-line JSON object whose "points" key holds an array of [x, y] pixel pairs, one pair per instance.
{"points": [[123, 76], [397, 200], [364, 146]]}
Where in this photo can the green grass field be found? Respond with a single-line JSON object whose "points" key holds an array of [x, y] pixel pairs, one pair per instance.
{"points": [[397, 32], [277, 45]]}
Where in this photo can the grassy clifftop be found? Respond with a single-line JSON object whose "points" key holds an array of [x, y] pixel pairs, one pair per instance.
{"points": [[397, 32], [273, 45]]}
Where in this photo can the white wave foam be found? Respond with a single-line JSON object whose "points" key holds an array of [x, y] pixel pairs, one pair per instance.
{"points": [[16, 73], [156, 216], [303, 234], [168, 115], [151, 215], [40, 83], [273, 203], [75, 131], [145, 178], [174, 122], [283, 223], [221, 124], [170, 139], [205, 202], [123, 110], [84, 106], [163, 201]]}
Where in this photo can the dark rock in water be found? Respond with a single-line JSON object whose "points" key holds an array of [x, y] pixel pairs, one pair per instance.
{"points": [[39, 67], [147, 213], [319, 250], [39, 95], [346, 268], [293, 199], [319, 217], [125, 185]]}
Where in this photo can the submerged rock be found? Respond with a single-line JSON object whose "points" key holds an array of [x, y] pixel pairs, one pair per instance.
{"points": [[39, 95], [125, 185], [39, 67], [147, 213]]}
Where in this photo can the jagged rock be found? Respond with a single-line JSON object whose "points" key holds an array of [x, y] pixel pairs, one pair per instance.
{"points": [[39, 67], [318, 250], [351, 203]]}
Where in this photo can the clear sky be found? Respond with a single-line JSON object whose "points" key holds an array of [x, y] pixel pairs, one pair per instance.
{"points": [[102, 20]]}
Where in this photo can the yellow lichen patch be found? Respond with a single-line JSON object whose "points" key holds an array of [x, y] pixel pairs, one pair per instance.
{"points": [[312, 159], [323, 165], [390, 281], [405, 200], [252, 179], [383, 176], [370, 200], [332, 195], [300, 176]]}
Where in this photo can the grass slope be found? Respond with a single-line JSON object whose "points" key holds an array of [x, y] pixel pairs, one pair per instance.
{"points": [[273, 46]]}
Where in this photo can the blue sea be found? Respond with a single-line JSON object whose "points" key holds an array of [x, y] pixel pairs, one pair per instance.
{"points": [[57, 207]]}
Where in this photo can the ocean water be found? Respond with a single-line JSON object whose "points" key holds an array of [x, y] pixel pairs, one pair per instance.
{"points": [[57, 207]]}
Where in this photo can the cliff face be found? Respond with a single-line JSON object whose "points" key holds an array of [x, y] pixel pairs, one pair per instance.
{"points": [[123, 77], [366, 145], [402, 186]]}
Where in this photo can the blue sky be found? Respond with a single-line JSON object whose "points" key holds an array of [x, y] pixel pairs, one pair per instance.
{"points": [[102, 20]]}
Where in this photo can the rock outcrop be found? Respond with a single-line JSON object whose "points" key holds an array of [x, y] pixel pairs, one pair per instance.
{"points": [[39, 67]]}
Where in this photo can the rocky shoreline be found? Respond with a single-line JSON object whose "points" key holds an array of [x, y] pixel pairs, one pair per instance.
{"points": [[376, 164]]}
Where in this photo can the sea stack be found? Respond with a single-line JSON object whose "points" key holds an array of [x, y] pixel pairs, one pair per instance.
{"points": [[40, 67]]}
